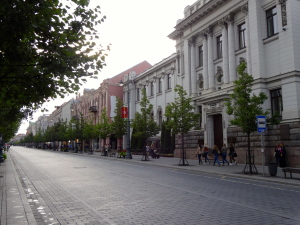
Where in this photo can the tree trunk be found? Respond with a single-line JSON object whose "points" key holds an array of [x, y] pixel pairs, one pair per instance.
{"points": [[249, 154]]}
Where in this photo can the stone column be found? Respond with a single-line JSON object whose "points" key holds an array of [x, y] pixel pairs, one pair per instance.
{"points": [[193, 67], [244, 9], [225, 51], [205, 61], [231, 48], [210, 58]]}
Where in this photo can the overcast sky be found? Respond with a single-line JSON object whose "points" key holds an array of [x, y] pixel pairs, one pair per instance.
{"points": [[137, 30]]}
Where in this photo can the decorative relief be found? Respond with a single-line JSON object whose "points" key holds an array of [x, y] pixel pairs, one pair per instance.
{"points": [[219, 76], [242, 60], [283, 12], [222, 23]]}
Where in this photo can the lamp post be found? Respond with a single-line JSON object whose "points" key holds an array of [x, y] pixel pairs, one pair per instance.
{"points": [[128, 149]]}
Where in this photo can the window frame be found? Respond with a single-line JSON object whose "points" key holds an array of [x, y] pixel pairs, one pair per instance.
{"points": [[219, 40], [138, 94], [151, 88], [200, 55], [272, 22], [242, 35], [276, 101], [169, 83], [159, 83]]}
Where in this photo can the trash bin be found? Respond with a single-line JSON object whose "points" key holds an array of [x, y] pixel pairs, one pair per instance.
{"points": [[273, 168]]}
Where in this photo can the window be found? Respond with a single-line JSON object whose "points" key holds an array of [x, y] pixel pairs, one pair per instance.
{"points": [[178, 63], [152, 88], [219, 47], [276, 101], [160, 119], [138, 94], [159, 85], [242, 32], [169, 82], [200, 52], [272, 27]]}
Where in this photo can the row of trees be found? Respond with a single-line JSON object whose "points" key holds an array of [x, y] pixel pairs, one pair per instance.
{"points": [[179, 114]]}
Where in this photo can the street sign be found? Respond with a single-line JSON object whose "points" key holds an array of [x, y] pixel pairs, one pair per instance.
{"points": [[261, 124]]}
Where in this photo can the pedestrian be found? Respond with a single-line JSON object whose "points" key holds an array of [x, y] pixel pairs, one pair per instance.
{"points": [[147, 149], [277, 154], [283, 155], [199, 154], [224, 151], [232, 155], [205, 153], [215, 152]]}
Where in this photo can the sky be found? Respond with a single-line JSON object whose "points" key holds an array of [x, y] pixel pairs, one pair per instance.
{"points": [[137, 30]]}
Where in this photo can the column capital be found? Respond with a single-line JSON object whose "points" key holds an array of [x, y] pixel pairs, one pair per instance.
{"points": [[229, 19], [244, 9], [222, 23], [209, 31]]}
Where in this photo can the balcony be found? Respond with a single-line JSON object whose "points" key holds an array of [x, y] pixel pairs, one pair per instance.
{"points": [[93, 109]]}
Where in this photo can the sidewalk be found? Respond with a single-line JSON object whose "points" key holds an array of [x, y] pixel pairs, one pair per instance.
{"points": [[234, 170], [15, 208]]}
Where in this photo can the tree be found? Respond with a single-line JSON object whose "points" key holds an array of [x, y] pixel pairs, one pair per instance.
{"points": [[104, 126], [143, 122], [119, 124], [181, 118], [245, 106], [47, 49]]}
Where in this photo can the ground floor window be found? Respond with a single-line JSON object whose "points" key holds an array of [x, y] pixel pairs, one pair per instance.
{"points": [[276, 101]]}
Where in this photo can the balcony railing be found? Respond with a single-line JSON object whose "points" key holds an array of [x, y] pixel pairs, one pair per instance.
{"points": [[93, 109]]}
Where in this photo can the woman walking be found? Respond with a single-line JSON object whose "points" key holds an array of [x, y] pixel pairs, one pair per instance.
{"points": [[232, 155], [205, 153], [224, 151], [199, 154], [215, 152]]}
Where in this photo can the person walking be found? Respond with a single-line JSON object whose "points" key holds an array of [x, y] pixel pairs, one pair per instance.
{"points": [[277, 153], [215, 152], [283, 155], [205, 153], [232, 155], [199, 153], [224, 151]]}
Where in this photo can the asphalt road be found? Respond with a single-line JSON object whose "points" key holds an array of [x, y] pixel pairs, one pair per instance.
{"points": [[72, 189]]}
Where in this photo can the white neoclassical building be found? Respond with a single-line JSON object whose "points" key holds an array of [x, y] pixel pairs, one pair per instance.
{"points": [[211, 40]]}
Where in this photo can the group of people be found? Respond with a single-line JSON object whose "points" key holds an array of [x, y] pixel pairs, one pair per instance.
{"points": [[280, 154], [224, 152]]}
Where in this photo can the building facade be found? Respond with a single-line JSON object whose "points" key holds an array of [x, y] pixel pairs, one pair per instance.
{"points": [[211, 40]]}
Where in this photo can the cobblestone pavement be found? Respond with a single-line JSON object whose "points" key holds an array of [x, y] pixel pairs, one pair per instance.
{"points": [[67, 188]]}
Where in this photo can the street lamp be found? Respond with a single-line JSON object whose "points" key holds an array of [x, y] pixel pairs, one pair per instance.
{"points": [[128, 149]]}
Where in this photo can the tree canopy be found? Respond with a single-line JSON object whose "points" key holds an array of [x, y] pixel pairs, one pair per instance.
{"points": [[47, 49]]}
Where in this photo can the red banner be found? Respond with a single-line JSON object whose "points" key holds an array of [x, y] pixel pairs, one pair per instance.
{"points": [[124, 112]]}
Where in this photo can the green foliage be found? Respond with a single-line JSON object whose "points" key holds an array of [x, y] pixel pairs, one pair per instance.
{"points": [[143, 123], [104, 126], [47, 49], [119, 124], [180, 113], [4, 156], [243, 104]]}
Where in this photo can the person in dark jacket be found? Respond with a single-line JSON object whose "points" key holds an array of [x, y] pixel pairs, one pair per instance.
{"points": [[215, 152]]}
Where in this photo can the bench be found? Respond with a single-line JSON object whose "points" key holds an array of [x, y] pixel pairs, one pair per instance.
{"points": [[290, 170]]}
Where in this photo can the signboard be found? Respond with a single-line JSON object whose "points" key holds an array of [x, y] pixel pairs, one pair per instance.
{"points": [[261, 124], [124, 112]]}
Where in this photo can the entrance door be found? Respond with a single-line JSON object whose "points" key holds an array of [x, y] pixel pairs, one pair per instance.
{"points": [[218, 130]]}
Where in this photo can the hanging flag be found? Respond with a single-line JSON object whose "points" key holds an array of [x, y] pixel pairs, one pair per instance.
{"points": [[124, 112]]}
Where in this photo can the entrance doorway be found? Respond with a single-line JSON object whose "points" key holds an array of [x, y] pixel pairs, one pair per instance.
{"points": [[218, 130]]}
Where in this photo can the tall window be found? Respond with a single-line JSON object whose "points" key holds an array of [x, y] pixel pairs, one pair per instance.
{"points": [[152, 88], [200, 52], [242, 32], [138, 94], [160, 119], [272, 27], [169, 82], [159, 85], [219, 47], [276, 101]]}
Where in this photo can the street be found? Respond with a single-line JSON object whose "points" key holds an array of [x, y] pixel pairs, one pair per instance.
{"points": [[69, 188]]}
